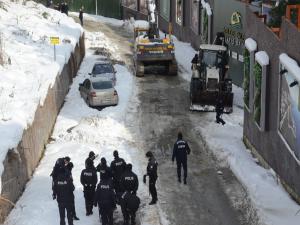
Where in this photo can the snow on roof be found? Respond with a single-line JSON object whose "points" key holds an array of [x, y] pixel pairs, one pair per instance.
{"points": [[213, 47], [141, 24], [207, 7], [250, 44], [262, 58], [291, 65]]}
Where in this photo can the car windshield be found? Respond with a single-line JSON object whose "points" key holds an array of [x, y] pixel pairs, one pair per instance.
{"points": [[210, 58], [100, 85], [102, 68]]}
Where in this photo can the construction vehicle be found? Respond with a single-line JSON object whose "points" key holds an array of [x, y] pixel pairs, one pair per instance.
{"points": [[210, 82], [151, 52]]}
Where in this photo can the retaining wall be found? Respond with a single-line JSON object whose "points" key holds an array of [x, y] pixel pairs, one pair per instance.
{"points": [[21, 161]]}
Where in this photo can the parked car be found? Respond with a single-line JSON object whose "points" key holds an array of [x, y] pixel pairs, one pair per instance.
{"points": [[104, 69], [98, 91]]}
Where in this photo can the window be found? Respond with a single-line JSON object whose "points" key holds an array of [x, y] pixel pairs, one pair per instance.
{"points": [[179, 12], [204, 26], [260, 89], [289, 104], [102, 85], [143, 7], [165, 9], [102, 68], [257, 94], [246, 83], [195, 16]]}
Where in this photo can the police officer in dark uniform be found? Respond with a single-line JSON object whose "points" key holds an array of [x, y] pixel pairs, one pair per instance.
{"points": [[219, 111], [152, 173], [117, 166], [90, 160], [129, 205], [105, 199], [69, 166], [103, 169], [129, 180], [180, 151], [89, 181], [63, 191]]}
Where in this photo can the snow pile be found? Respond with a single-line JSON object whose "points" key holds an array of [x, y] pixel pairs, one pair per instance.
{"points": [[291, 65], [250, 44], [274, 205], [28, 69], [142, 24], [262, 58]]}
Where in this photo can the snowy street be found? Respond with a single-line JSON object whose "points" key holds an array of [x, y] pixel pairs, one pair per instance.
{"points": [[150, 112]]}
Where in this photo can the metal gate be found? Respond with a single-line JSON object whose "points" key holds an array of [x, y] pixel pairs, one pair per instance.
{"points": [[107, 8]]}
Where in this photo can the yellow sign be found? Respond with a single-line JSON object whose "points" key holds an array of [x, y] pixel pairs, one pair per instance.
{"points": [[54, 40]]}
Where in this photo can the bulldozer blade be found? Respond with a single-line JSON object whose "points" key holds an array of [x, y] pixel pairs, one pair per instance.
{"points": [[202, 108]]}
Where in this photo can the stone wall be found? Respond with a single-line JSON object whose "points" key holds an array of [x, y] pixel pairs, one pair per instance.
{"points": [[21, 161], [268, 144]]}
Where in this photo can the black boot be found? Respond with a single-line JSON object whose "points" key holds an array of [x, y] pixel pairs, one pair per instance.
{"points": [[153, 202], [75, 217], [184, 181], [179, 179]]}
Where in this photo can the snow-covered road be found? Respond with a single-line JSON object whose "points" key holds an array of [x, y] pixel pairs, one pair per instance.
{"points": [[151, 111]]}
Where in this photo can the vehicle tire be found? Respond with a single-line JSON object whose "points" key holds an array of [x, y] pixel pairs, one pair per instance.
{"points": [[140, 69], [173, 68]]}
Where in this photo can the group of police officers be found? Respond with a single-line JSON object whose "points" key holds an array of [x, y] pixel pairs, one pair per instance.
{"points": [[118, 184]]}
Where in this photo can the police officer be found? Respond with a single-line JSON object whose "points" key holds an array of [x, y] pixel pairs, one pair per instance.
{"points": [[69, 166], [89, 180], [219, 111], [117, 166], [180, 151], [195, 61], [103, 169], [129, 206], [152, 173], [81, 15], [129, 180], [63, 191], [90, 160], [105, 199]]}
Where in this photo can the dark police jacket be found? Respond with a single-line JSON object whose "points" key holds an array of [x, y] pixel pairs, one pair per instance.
{"points": [[180, 151], [129, 202], [104, 170], [129, 181], [88, 178], [105, 195], [63, 188], [117, 167], [152, 168]]}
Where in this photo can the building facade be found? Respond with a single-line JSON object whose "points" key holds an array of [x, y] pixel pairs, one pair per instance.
{"points": [[272, 97]]}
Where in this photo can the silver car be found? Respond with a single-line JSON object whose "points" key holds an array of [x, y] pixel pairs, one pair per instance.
{"points": [[98, 91], [104, 69]]}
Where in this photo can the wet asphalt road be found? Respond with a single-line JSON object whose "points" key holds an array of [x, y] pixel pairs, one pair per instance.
{"points": [[208, 198]]}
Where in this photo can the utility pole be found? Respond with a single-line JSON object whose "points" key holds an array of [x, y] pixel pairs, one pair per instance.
{"points": [[96, 7]]}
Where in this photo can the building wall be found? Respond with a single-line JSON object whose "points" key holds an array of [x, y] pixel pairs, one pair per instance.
{"points": [[268, 144]]}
